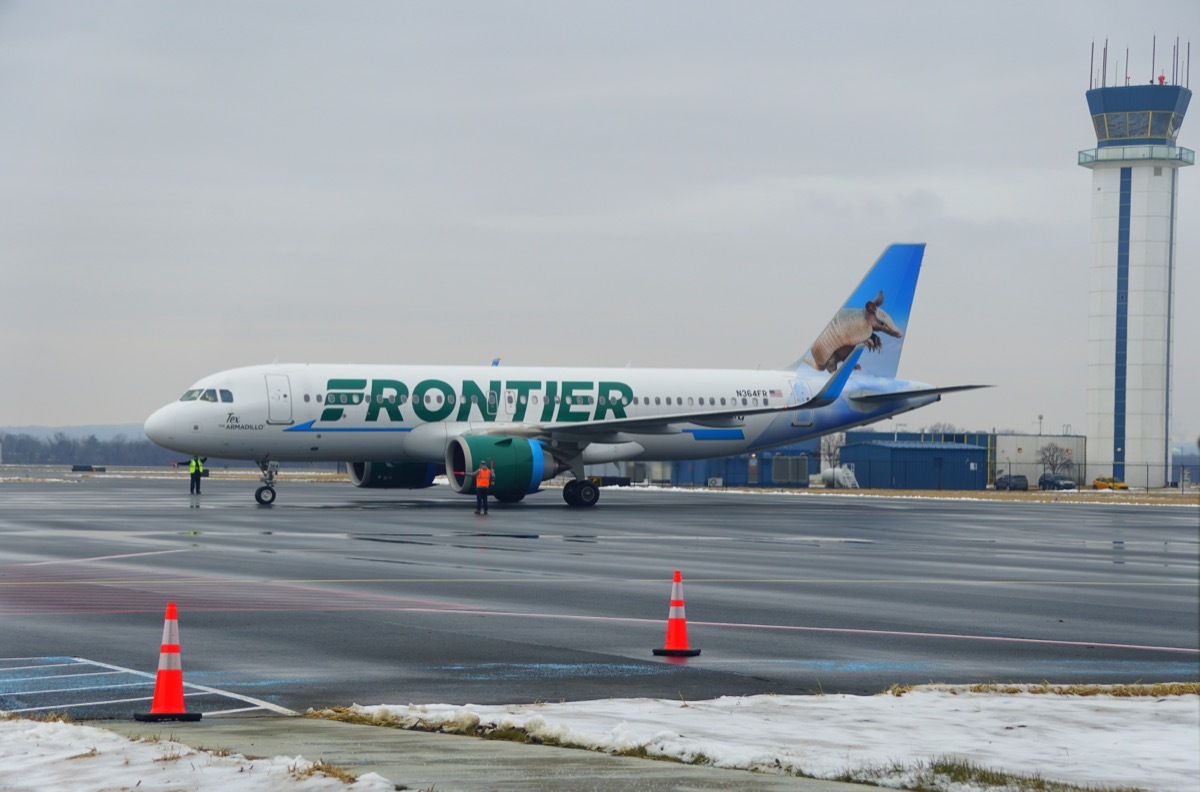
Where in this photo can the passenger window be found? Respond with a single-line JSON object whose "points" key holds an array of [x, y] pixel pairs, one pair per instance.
{"points": [[306, 398], [658, 400], [722, 401], [318, 398]]}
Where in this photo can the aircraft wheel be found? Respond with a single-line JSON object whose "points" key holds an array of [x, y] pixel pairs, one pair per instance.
{"points": [[569, 492], [586, 494], [265, 495]]}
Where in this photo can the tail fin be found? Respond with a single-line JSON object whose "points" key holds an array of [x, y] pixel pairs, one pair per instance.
{"points": [[862, 320]]}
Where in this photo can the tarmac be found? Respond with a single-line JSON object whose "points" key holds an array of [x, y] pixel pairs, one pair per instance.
{"points": [[415, 760]]}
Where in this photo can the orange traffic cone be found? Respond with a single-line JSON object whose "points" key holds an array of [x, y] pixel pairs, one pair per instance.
{"points": [[168, 687], [677, 643]]}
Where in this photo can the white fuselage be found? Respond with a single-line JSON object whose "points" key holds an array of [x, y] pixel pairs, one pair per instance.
{"points": [[347, 412]]}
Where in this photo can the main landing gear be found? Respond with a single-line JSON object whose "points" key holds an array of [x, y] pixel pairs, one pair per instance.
{"points": [[265, 495], [581, 492]]}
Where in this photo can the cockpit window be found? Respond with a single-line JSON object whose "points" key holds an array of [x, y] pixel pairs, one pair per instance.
{"points": [[209, 395], [226, 396], [191, 395]]}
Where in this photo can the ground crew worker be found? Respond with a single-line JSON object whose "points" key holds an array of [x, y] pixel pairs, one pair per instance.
{"points": [[483, 481], [196, 468]]}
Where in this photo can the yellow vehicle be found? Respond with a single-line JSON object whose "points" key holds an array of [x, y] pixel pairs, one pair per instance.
{"points": [[1108, 482]]}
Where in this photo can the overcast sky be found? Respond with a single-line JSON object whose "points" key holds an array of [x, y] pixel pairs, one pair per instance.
{"points": [[189, 187]]}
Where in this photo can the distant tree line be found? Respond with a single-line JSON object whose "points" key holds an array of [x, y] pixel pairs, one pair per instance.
{"points": [[23, 449], [120, 451]]}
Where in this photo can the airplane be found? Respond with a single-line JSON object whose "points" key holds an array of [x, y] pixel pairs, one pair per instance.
{"points": [[401, 426]]}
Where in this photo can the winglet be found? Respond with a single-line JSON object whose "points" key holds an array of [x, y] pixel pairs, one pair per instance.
{"points": [[833, 386]]}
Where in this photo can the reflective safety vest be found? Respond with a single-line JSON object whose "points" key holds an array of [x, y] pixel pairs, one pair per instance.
{"points": [[195, 466], [483, 477]]}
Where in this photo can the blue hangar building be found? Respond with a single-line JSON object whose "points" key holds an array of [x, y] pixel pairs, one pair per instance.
{"points": [[908, 464]]}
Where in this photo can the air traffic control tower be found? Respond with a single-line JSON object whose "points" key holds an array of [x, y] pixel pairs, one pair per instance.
{"points": [[1135, 175]]}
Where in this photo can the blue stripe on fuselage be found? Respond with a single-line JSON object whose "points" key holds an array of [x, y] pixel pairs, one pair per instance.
{"points": [[716, 434], [308, 427]]}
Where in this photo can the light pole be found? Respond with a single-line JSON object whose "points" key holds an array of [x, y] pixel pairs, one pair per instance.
{"points": [[1039, 424], [896, 430]]}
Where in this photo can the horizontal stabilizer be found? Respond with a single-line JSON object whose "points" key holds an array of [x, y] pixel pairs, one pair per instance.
{"points": [[872, 397]]}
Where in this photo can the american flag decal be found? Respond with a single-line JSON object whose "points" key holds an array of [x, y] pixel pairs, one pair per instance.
{"points": [[776, 393]]}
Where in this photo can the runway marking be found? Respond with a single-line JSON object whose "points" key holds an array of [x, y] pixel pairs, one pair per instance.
{"points": [[78, 689], [99, 558], [191, 690], [68, 676], [797, 628], [562, 579], [204, 688]]}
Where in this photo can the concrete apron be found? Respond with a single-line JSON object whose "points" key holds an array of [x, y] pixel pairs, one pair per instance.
{"points": [[446, 762]]}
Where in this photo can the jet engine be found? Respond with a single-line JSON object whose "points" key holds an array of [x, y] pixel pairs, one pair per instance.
{"points": [[393, 475], [520, 465]]}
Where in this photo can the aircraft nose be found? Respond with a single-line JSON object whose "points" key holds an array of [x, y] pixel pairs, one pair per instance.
{"points": [[160, 426]]}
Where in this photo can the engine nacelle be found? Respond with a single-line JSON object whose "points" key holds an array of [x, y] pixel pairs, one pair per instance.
{"points": [[393, 475], [520, 465]]}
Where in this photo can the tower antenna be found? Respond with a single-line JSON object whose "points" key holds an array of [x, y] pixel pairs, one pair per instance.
{"points": [[1092, 67], [1153, 52]]}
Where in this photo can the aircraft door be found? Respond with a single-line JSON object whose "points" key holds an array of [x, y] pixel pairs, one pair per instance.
{"points": [[279, 399], [800, 394]]}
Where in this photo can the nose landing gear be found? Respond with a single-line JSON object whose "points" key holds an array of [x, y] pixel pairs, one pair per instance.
{"points": [[265, 495]]}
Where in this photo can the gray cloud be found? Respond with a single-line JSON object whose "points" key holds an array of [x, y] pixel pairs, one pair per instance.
{"points": [[190, 187]]}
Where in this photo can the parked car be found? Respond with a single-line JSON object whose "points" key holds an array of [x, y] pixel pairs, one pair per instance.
{"points": [[1016, 482], [1050, 481], [1108, 482]]}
